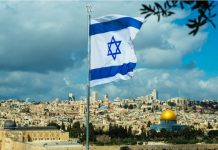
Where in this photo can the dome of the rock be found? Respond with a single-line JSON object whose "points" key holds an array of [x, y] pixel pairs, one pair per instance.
{"points": [[168, 115]]}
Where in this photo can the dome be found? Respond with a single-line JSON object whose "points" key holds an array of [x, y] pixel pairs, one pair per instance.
{"points": [[103, 108], [9, 124], [168, 115]]}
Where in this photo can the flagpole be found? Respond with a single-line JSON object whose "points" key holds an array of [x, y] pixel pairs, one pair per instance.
{"points": [[89, 10]]}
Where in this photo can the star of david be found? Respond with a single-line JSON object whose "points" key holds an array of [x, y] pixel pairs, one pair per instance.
{"points": [[117, 50]]}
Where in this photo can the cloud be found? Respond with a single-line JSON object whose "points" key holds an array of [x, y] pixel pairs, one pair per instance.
{"points": [[37, 86], [190, 65], [164, 44], [43, 51], [169, 83], [41, 37]]}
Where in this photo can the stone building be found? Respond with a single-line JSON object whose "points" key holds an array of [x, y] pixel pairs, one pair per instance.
{"points": [[32, 134]]}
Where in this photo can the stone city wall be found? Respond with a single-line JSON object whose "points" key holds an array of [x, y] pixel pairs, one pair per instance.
{"points": [[8, 144], [83, 148], [176, 147], [150, 147]]}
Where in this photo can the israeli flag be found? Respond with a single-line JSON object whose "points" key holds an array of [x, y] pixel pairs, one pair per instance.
{"points": [[112, 51]]}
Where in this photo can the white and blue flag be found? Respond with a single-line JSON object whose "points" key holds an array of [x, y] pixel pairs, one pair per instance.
{"points": [[112, 51]]}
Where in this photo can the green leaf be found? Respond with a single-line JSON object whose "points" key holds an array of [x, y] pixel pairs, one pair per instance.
{"points": [[191, 25], [165, 5], [158, 17], [203, 22], [174, 3], [168, 4], [190, 20], [159, 6], [147, 16], [144, 12], [170, 13], [197, 5], [214, 15], [193, 32], [181, 5], [147, 7], [213, 24], [188, 2]]}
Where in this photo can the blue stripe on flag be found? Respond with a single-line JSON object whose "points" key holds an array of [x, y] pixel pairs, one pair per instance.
{"points": [[114, 25], [111, 71]]}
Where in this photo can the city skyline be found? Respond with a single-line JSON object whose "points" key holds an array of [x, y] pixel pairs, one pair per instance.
{"points": [[140, 122], [43, 53]]}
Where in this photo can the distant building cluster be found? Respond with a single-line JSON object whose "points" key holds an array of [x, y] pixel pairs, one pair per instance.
{"points": [[26, 121]]}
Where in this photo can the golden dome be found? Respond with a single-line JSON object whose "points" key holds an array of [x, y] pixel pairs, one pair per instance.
{"points": [[168, 115]]}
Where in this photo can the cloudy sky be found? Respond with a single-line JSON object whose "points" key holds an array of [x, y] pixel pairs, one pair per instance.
{"points": [[43, 50]]}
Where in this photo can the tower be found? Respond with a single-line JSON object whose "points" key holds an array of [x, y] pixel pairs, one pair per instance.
{"points": [[106, 97], [82, 108], [71, 97], [154, 94], [106, 100], [94, 97]]}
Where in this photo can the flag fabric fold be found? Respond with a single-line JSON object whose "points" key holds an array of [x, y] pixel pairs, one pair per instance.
{"points": [[112, 51]]}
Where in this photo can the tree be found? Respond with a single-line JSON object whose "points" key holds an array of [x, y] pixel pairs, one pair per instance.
{"points": [[129, 131], [103, 139], [152, 134], [83, 135], [143, 135], [25, 110], [122, 132], [201, 10], [75, 131], [164, 133], [130, 106], [54, 124], [213, 134], [209, 126], [125, 106], [190, 133], [99, 131], [15, 125], [62, 126], [116, 131], [194, 108], [156, 108], [110, 132], [92, 132], [171, 104], [149, 123]]}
